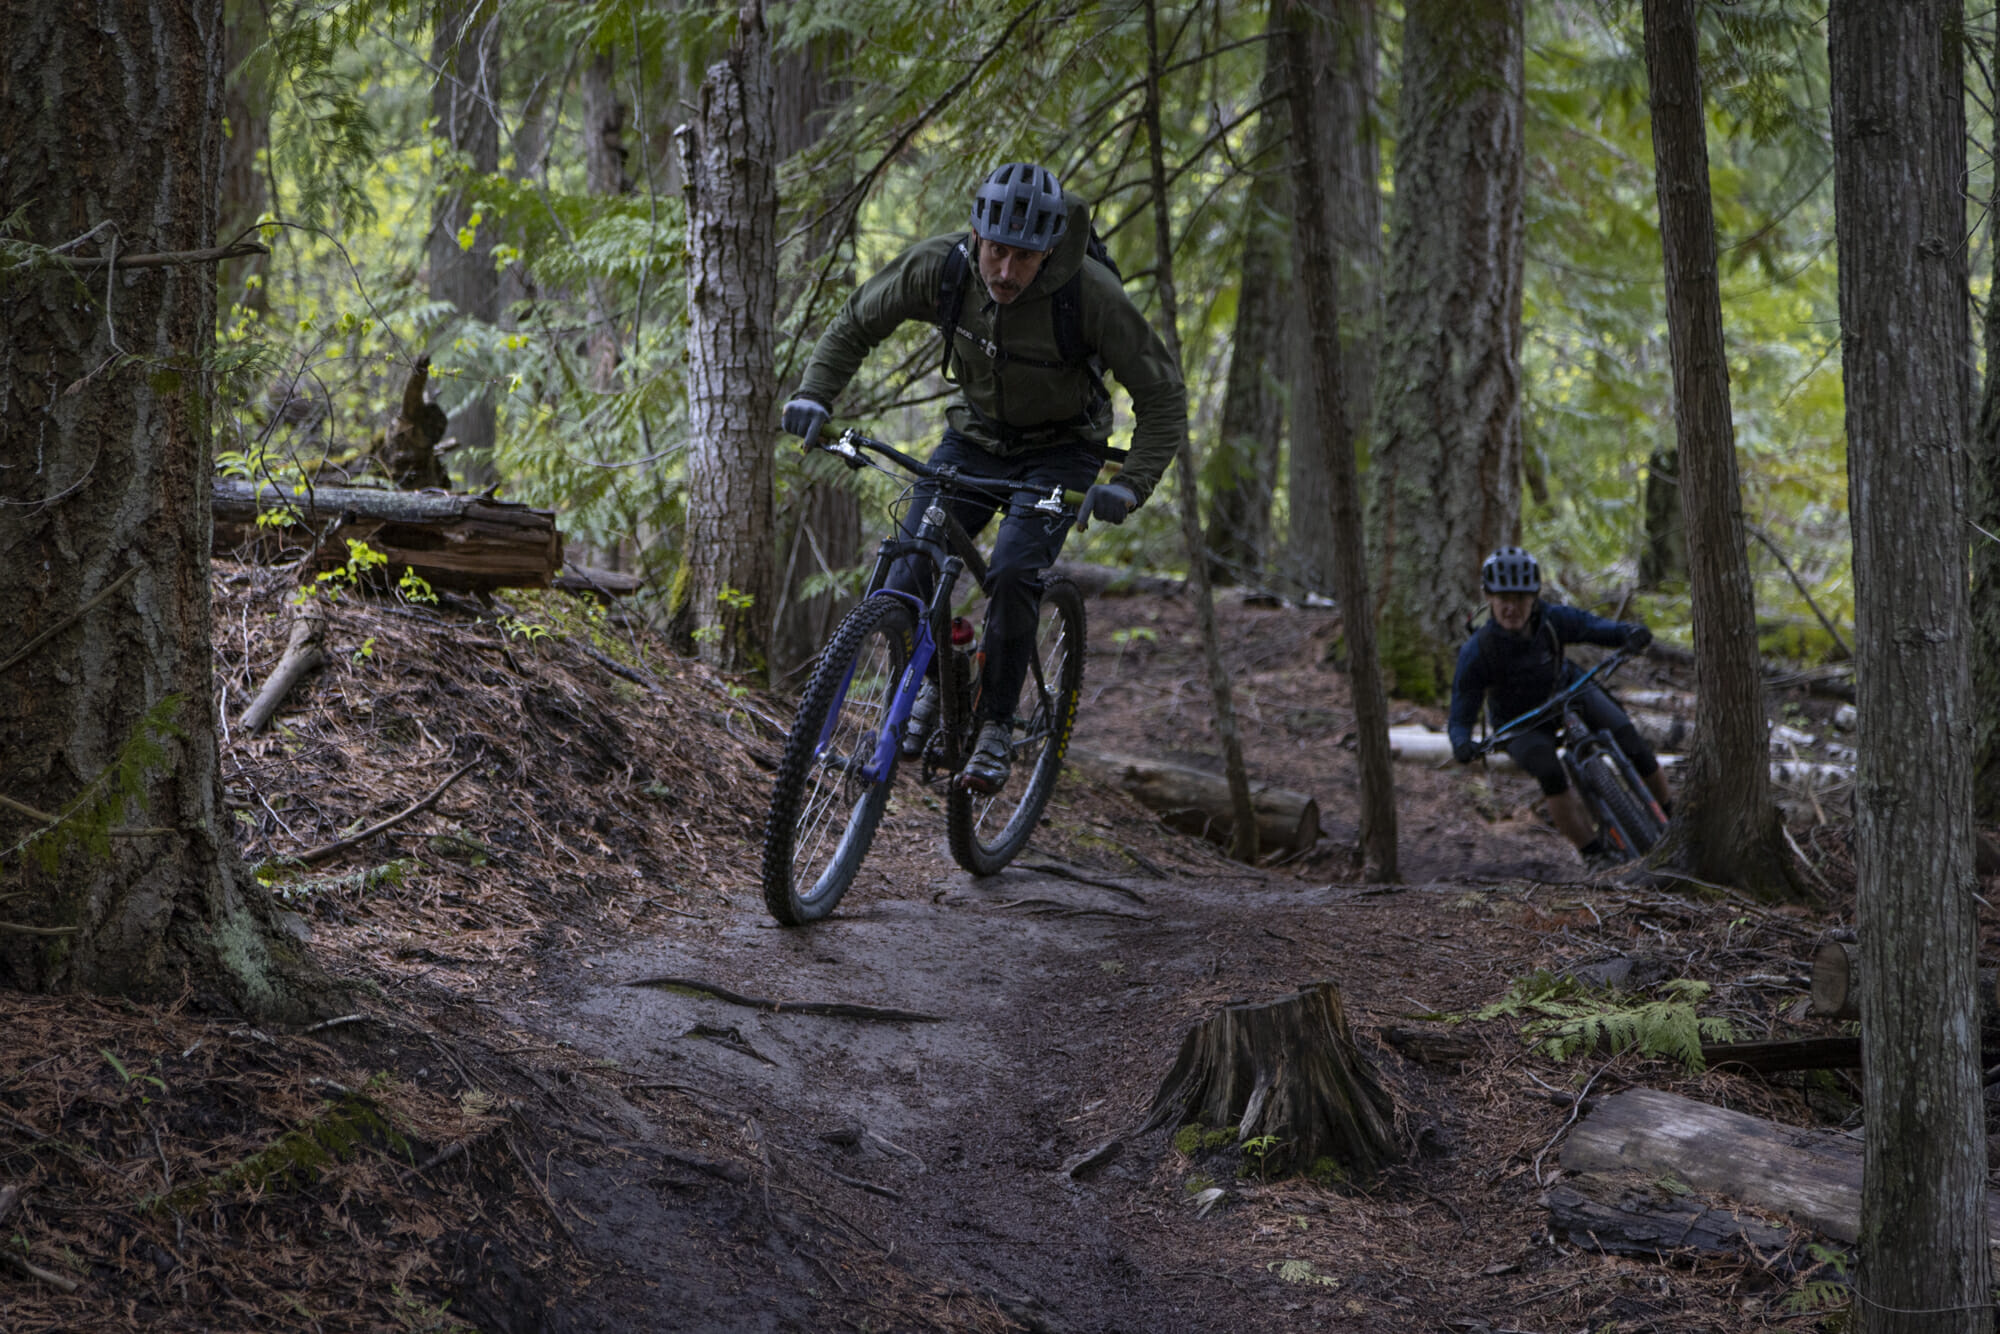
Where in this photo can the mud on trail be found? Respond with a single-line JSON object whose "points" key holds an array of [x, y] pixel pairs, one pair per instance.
{"points": [[555, 1147]]}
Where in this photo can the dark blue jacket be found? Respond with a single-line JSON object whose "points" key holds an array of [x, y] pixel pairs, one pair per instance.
{"points": [[1519, 672]]}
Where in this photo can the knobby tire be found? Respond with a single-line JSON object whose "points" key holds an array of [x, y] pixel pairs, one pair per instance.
{"points": [[823, 815], [986, 833], [1634, 823]]}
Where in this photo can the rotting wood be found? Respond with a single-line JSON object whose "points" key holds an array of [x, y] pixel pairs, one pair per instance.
{"points": [[591, 579], [304, 650], [1114, 580], [1768, 1058], [826, 1009], [1088, 1163], [459, 542], [1836, 984], [1643, 1219], [1430, 1047], [1811, 1176], [410, 445], [423, 804], [1287, 1069], [1198, 803]]}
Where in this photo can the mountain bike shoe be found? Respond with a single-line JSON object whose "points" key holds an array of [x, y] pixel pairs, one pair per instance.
{"points": [[992, 761]]}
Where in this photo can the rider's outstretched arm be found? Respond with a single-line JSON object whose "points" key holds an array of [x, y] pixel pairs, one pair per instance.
{"points": [[1468, 692], [907, 289], [1138, 358], [1576, 626]]}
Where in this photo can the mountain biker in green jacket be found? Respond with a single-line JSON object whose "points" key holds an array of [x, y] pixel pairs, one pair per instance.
{"points": [[1027, 408]]}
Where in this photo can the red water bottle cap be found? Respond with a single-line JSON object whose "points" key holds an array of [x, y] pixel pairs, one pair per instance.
{"points": [[961, 632]]}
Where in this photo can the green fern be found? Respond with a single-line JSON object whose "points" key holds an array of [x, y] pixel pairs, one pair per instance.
{"points": [[1564, 1019], [1667, 1028]]}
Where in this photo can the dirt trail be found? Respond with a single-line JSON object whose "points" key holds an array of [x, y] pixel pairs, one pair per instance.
{"points": [[1060, 1004], [674, 1162]]}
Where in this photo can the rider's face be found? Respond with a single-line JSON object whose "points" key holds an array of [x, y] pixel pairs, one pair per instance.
{"points": [[1007, 270], [1510, 610]]}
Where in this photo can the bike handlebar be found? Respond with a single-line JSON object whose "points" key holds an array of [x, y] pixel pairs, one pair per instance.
{"points": [[1514, 727], [849, 445]]}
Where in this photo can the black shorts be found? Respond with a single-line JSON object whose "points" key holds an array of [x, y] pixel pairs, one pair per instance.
{"points": [[1535, 751]]}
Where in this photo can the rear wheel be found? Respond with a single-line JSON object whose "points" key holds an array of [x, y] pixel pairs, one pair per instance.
{"points": [[825, 804], [987, 832]]}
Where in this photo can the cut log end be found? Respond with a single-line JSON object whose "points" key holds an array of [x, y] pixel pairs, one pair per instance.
{"points": [[1285, 1074]]}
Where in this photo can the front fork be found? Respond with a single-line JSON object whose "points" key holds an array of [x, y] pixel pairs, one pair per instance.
{"points": [[881, 765]]}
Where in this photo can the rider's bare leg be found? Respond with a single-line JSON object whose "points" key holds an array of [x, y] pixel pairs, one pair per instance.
{"points": [[1656, 783], [1571, 819]]}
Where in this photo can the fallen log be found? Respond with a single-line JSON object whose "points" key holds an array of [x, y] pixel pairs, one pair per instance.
{"points": [[1836, 986], [1113, 580], [1285, 1072], [302, 653], [464, 543], [1645, 1220], [1197, 803], [1811, 1176]]}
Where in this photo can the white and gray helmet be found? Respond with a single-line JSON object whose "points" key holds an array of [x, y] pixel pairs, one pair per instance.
{"points": [[1510, 570]]}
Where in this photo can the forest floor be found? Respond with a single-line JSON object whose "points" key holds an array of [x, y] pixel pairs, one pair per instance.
{"points": [[504, 1130]]}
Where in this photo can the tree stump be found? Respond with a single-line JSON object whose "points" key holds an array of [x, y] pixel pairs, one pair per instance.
{"points": [[1287, 1069]]}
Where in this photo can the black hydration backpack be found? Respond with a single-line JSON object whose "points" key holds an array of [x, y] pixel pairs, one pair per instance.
{"points": [[1065, 307]]}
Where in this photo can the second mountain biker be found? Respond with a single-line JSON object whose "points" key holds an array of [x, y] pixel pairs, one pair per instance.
{"points": [[1029, 315], [1516, 660]]}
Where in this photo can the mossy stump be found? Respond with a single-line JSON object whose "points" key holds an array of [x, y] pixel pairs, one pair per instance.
{"points": [[1287, 1069]]}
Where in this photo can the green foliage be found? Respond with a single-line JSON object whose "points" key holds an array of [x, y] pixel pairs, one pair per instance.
{"points": [[1192, 1140], [1822, 1294], [1565, 1020]]}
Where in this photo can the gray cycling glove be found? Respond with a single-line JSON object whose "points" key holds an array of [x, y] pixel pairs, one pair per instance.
{"points": [[803, 417], [1109, 501]]}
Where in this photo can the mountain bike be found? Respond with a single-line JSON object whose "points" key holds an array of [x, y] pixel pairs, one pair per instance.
{"points": [[1628, 818], [840, 758]]}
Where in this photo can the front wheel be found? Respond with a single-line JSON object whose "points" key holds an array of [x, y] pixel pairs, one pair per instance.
{"points": [[829, 795], [987, 832], [1628, 818]]}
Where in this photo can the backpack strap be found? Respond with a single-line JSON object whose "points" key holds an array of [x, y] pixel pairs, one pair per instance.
{"points": [[951, 298]]}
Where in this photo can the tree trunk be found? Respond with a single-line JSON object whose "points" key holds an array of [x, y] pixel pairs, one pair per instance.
{"points": [[820, 523], [465, 100], [1984, 499], [1243, 841], [1318, 264], [1899, 164], [1242, 470], [603, 174], [1342, 71], [1726, 826], [1287, 1069], [728, 160], [247, 136], [108, 716], [1663, 557], [1448, 425]]}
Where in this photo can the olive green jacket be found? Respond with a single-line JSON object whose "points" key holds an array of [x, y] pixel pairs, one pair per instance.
{"points": [[1004, 405]]}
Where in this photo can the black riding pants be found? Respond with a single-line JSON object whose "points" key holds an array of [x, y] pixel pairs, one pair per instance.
{"points": [[1535, 751], [1028, 543]]}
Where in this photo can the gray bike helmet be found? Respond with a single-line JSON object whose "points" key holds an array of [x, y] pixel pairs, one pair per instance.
{"points": [[1021, 205], [1510, 570]]}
